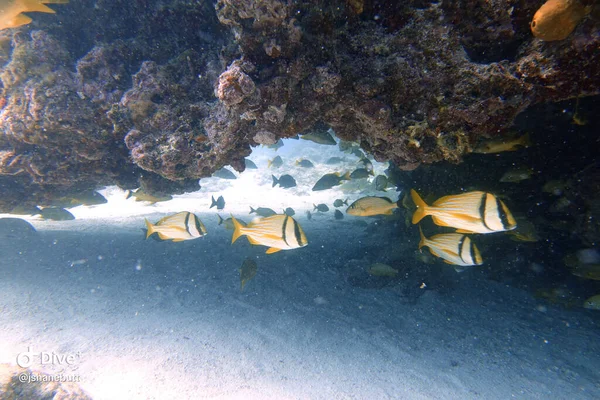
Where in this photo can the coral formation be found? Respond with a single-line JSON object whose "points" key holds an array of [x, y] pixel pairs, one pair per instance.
{"points": [[162, 95]]}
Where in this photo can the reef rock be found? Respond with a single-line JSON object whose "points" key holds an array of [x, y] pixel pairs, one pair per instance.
{"points": [[164, 94]]}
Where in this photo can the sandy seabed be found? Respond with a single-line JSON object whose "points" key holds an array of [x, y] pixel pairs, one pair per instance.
{"points": [[142, 319], [159, 320]]}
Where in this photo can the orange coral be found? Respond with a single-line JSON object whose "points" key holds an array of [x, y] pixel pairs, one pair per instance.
{"points": [[11, 11], [556, 19]]}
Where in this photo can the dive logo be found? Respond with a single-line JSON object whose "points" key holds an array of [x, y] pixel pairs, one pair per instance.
{"points": [[27, 358]]}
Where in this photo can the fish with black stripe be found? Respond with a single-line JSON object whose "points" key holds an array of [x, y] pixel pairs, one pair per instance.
{"points": [[278, 232], [454, 248], [471, 212], [177, 227]]}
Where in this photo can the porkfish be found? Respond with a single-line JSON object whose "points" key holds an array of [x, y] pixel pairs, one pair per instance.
{"points": [[177, 227], [11, 11], [453, 248], [471, 212], [278, 232]]}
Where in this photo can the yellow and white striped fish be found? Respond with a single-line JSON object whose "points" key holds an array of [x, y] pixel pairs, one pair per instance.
{"points": [[471, 212], [453, 248], [371, 205], [278, 232], [177, 227]]}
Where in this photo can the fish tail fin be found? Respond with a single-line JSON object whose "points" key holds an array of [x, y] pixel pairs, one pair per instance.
{"points": [[346, 176], [149, 228], [252, 210], [129, 194], [220, 219], [421, 207], [525, 140], [237, 230], [269, 163], [214, 202], [315, 207], [423, 241], [345, 202], [275, 181]]}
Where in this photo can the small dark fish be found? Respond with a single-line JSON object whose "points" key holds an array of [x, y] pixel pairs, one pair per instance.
{"points": [[517, 174], [334, 160], [220, 203], [289, 211], [262, 211], [250, 164], [305, 163], [345, 146], [338, 214], [356, 151], [88, 198], [322, 137], [284, 181], [276, 162], [367, 163], [340, 202], [381, 183], [321, 207], [85, 198], [25, 210], [360, 173], [328, 181], [247, 271], [141, 195], [56, 214], [308, 215], [16, 228], [276, 145], [228, 223], [224, 173], [498, 146]]}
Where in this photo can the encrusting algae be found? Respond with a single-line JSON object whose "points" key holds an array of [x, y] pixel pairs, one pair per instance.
{"points": [[11, 11], [556, 19]]}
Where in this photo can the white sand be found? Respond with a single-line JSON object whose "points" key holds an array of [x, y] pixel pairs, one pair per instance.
{"points": [[178, 326]]}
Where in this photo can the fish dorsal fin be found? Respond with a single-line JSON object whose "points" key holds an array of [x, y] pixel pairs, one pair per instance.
{"points": [[272, 250], [460, 201], [37, 5], [175, 219], [19, 20], [269, 224]]}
